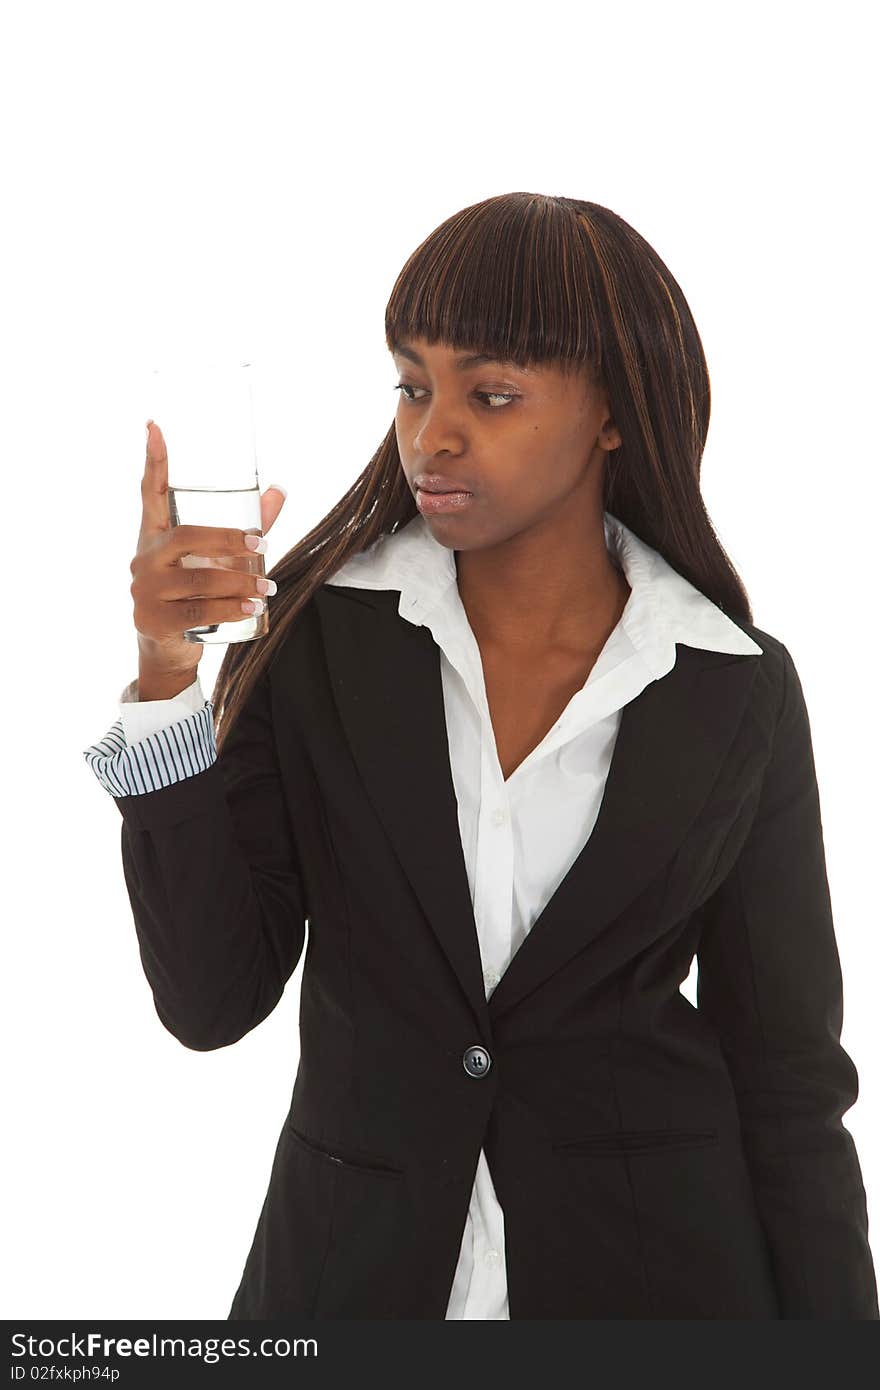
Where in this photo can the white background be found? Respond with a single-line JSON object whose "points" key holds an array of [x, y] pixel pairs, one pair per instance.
{"points": [[249, 178]]}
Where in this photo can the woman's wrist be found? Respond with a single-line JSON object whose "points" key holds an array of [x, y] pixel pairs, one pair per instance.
{"points": [[162, 685]]}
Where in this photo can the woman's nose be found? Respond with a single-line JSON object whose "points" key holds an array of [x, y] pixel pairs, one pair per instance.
{"points": [[438, 430]]}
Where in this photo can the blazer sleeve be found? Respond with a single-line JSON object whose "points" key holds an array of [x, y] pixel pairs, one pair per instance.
{"points": [[769, 980], [212, 874]]}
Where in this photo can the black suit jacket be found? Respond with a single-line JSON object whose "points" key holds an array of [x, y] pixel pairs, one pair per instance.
{"points": [[653, 1160]]}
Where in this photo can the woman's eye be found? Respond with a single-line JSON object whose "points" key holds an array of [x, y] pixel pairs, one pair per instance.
{"points": [[488, 395]]}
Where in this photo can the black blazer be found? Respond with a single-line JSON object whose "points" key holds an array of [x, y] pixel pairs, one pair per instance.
{"points": [[653, 1160]]}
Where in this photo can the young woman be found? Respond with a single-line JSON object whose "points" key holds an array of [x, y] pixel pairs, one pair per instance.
{"points": [[516, 752]]}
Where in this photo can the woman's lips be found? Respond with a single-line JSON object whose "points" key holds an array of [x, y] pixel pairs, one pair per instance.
{"points": [[430, 503], [439, 482]]}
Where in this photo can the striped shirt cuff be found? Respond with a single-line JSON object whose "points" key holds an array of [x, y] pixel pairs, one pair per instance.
{"points": [[169, 755]]}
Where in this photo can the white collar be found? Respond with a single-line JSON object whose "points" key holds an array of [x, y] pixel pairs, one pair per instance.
{"points": [[663, 607]]}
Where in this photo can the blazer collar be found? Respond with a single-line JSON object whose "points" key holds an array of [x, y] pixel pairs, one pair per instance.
{"points": [[386, 681]]}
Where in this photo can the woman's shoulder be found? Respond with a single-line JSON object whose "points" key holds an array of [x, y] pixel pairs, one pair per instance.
{"points": [[301, 649], [771, 645], [777, 680]]}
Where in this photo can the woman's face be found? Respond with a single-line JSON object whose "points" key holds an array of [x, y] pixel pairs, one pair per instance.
{"points": [[525, 443]]}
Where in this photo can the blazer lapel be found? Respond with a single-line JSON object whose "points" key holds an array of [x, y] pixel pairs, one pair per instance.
{"points": [[386, 680], [670, 746], [385, 675]]}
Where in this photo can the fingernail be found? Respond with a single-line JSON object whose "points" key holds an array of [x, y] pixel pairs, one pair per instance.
{"points": [[279, 488]]}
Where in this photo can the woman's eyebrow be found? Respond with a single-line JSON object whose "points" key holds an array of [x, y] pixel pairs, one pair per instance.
{"points": [[477, 359]]}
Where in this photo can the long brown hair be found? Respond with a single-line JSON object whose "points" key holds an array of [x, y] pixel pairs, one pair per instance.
{"points": [[536, 279]]}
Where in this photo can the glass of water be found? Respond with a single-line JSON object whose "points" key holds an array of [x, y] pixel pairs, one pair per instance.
{"points": [[206, 414]]}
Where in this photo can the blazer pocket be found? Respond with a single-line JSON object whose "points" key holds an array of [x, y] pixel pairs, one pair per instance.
{"points": [[359, 1163], [637, 1141]]}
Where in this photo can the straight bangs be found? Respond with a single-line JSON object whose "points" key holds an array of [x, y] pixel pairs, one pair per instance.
{"points": [[510, 277]]}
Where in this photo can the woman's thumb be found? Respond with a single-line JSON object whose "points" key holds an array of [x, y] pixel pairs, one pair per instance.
{"points": [[271, 502]]}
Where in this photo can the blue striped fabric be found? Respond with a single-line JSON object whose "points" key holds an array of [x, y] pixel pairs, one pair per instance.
{"points": [[169, 755]]}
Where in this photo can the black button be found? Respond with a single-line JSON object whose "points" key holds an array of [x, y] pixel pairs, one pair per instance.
{"points": [[476, 1061]]}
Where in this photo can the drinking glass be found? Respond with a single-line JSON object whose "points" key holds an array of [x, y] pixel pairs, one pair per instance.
{"points": [[205, 411]]}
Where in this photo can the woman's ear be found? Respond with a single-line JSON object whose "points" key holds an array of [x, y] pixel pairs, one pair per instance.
{"points": [[609, 435]]}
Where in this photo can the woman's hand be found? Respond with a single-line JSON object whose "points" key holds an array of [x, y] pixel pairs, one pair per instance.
{"points": [[174, 588]]}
